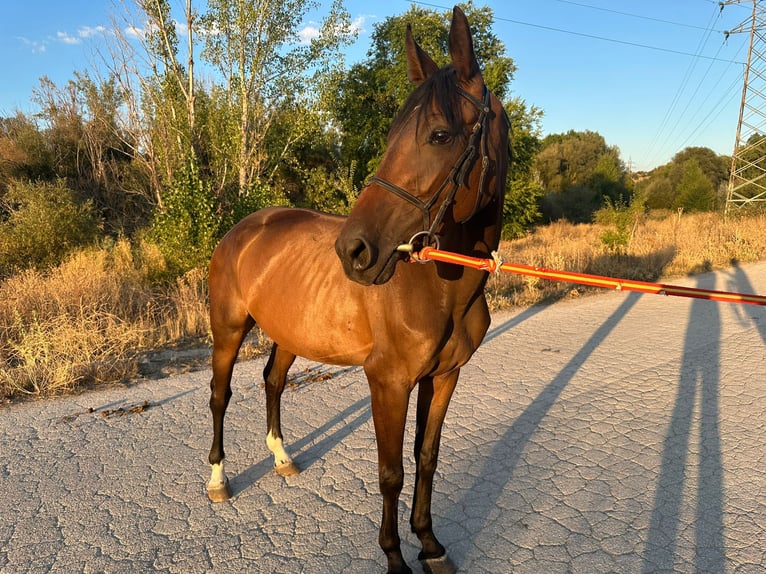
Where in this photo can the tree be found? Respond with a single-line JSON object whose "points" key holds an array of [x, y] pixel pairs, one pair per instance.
{"points": [[521, 207], [714, 166], [24, 153], [256, 49], [695, 191], [158, 119], [694, 179], [87, 150], [363, 101], [40, 223], [579, 171]]}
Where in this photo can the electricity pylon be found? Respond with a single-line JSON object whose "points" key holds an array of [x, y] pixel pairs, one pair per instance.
{"points": [[747, 179]]}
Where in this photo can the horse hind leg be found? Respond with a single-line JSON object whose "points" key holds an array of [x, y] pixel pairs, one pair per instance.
{"points": [[275, 376], [226, 343]]}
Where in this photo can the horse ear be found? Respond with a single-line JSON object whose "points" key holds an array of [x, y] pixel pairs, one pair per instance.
{"points": [[461, 47], [420, 66]]}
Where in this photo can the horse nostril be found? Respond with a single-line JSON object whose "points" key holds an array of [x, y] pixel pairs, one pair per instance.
{"points": [[361, 254], [357, 254]]}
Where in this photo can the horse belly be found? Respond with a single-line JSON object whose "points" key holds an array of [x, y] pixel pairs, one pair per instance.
{"points": [[298, 294], [327, 331]]}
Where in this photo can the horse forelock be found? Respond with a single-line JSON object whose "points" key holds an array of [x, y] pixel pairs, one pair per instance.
{"points": [[440, 90]]}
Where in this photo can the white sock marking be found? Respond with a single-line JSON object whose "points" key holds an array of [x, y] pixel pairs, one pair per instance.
{"points": [[217, 476], [275, 446]]}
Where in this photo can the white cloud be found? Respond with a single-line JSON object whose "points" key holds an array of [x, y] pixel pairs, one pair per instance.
{"points": [[134, 32], [308, 34], [36, 47], [311, 31], [67, 39], [90, 31], [83, 32], [357, 25]]}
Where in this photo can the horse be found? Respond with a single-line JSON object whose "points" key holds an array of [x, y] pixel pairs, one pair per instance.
{"points": [[342, 290]]}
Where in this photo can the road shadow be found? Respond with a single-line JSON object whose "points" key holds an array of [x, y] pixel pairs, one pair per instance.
{"points": [[347, 421], [698, 386], [738, 282], [502, 328], [488, 486]]}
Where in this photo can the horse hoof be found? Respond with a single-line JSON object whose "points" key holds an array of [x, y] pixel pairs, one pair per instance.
{"points": [[220, 493], [440, 565], [287, 469]]}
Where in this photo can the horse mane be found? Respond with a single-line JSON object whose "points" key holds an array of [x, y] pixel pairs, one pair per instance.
{"points": [[441, 90]]}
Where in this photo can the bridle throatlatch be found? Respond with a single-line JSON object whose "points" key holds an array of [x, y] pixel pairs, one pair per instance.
{"points": [[477, 143]]}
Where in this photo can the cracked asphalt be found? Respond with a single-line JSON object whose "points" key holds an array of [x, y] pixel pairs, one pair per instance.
{"points": [[614, 433]]}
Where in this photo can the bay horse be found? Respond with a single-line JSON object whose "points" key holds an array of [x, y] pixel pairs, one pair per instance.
{"points": [[338, 290]]}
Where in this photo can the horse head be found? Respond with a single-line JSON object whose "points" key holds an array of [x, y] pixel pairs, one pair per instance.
{"points": [[445, 162]]}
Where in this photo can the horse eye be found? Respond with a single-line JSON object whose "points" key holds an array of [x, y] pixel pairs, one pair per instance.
{"points": [[440, 137]]}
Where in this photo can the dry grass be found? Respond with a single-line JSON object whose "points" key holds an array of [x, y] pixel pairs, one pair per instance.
{"points": [[90, 320], [661, 246]]}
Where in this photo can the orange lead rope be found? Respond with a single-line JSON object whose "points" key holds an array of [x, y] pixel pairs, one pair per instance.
{"points": [[496, 265]]}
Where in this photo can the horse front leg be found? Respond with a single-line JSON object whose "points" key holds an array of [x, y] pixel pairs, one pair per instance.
{"points": [[275, 376], [434, 395], [389, 414], [226, 344]]}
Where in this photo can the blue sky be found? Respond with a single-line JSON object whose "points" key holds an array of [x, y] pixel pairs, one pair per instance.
{"points": [[653, 77]]}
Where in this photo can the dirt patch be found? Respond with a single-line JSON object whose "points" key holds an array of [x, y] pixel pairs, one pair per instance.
{"points": [[167, 362]]}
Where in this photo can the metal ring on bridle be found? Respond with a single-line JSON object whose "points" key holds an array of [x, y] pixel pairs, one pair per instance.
{"points": [[409, 247]]}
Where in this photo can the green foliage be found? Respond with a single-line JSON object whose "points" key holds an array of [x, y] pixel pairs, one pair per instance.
{"points": [[24, 154], [659, 192], [693, 180], [331, 191], [579, 172], [624, 220], [186, 227], [255, 197], [256, 49], [715, 167], [521, 208], [40, 223], [577, 204], [695, 191]]}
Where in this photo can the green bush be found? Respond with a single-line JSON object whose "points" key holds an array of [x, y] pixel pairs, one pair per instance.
{"points": [[623, 219], [41, 223], [331, 191], [186, 226], [521, 208]]}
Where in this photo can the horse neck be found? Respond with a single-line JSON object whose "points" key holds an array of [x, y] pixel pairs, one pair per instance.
{"points": [[478, 238]]}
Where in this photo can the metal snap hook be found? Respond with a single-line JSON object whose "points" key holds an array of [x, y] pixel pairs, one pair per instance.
{"points": [[409, 247]]}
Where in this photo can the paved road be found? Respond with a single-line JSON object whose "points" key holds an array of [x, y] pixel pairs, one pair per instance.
{"points": [[618, 433]]}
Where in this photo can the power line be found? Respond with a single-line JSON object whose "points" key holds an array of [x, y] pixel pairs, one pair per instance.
{"points": [[594, 36], [653, 150], [729, 94], [640, 16]]}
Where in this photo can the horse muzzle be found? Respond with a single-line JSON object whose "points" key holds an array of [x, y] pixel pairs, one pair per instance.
{"points": [[363, 261]]}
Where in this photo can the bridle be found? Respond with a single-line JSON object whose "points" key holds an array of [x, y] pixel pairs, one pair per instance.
{"points": [[477, 143]]}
